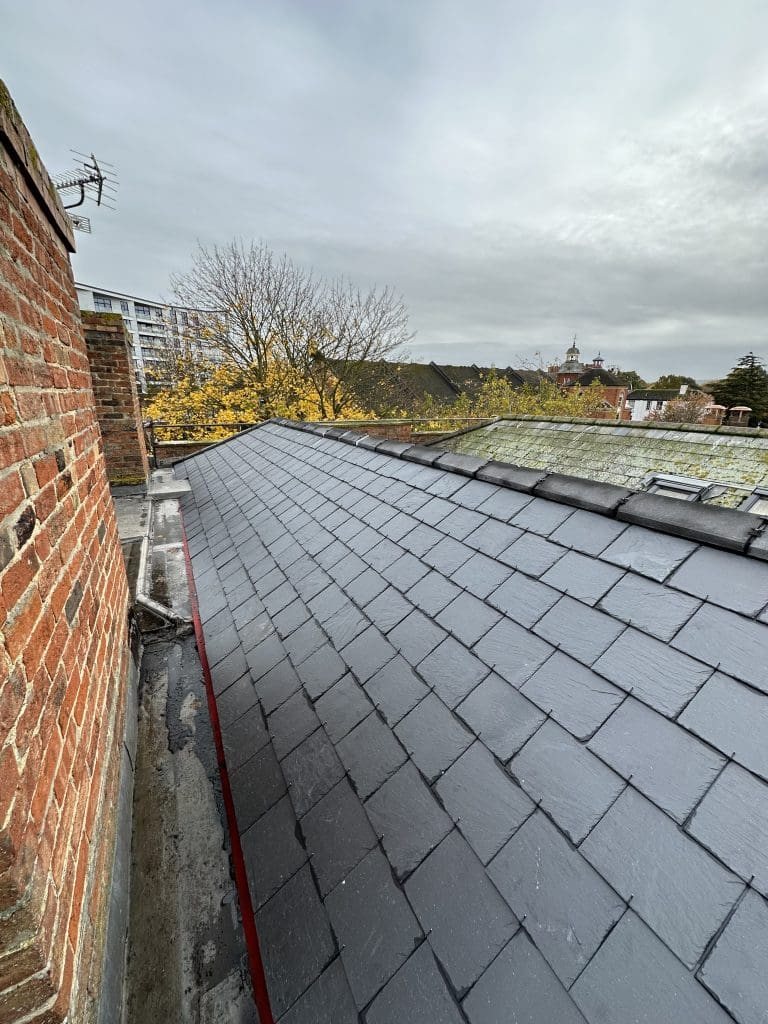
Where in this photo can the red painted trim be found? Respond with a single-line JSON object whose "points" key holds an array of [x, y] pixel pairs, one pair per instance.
{"points": [[256, 964]]}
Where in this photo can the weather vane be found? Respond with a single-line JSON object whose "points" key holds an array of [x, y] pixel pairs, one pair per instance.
{"points": [[87, 180]]}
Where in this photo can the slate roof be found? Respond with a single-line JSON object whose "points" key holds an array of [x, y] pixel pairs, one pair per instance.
{"points": [[626, 453], [495, 757]]}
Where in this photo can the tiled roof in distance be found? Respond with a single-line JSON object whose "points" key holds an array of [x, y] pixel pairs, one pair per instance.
{"points": [[495, 756]]}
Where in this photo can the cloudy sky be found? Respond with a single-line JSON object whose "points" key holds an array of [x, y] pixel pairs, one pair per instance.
{"points": [[520, 171]]}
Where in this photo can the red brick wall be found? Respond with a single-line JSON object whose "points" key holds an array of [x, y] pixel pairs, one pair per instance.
{"points": [[117, 399], [63, 614]]}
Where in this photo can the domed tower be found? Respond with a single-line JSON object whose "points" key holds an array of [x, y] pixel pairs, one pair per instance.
{"points": [[572, 367]]}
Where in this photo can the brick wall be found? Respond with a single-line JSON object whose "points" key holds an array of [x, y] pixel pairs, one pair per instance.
{"points": [[117, 398], [63, 615]]}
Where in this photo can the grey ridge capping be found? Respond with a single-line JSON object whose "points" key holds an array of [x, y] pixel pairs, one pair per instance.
{"points": [[497, 737]]}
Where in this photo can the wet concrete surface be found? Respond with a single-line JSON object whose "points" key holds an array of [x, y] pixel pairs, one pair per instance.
{"points": [[186, 956], [168, 572]]}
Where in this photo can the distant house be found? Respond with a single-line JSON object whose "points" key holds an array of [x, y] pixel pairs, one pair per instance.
{"points": [[646, 402], [573, 373]]}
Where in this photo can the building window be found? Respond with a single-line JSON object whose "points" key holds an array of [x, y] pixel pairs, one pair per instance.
{"points": [[684, 488], [102, 303], [757, 502], [144, 311], [124, 308]]}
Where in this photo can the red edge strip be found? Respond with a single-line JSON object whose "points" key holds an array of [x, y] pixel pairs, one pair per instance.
{"points": [[256, 964]]}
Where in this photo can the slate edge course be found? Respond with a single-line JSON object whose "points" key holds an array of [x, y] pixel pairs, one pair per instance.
{"points": [[724, 528]]}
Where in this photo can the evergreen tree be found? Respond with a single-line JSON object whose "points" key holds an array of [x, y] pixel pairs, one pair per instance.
{"points": [[746, 384]]}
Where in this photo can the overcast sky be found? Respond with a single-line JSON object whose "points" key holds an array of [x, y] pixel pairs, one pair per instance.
{"points": [[520, 171]]}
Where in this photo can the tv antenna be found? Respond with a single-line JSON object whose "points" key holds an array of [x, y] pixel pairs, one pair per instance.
{"points": [[89, 179]]}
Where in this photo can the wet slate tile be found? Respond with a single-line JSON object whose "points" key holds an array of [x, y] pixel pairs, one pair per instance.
{"points": [[574, 787], [345, 625], [732, 822], [576, 697], [523, 599], [320, 671], [735, 969], [272, 851], [541, 876], [290, 618], [520, 986], [406, 571], [295, 939], [396, 689], [387, 609], [247, 612], [311, 770], [374, 925], [367, 585], [656, 674], [667, 764], [504, 503], [256, 786], [468, 618], [461, 522], [705, 572], [531, 554], [732, 718], [581, 576], [729, 641], [417, 994], [649, 606], [484, 802], [542, 516], [291, 723], [328, 1001], [304, 641], [474, 493], [447, 556], [681, 892], [649, 553], [220, 642], [432, 593], [434, 511], [229, 670], [492, 537], [236, 701], [407, 818], [467, 930], [512, 651], [383, 554], [481, 575], [277, 685], [342, 707], [588, 532], [452, 671], [370, 753], [582, 632], [244, 737], [338, 835], [421, 539], [500, 716], [634, 977], [415, 637], [367, 653], [279, 598], [433, 737]]}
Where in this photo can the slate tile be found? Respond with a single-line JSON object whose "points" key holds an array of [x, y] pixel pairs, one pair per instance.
{"points": [[728, 641], [346, 624], [542, 516], [244, 737], [396, 689], [421, 539], [667, 764], [634, 977], [220, 642], [367, 653], [374, 925], [232, 667], [531, 554], [520, 986], [446, 484], [290, 618], [588, 532], [468, 618], [311, 770], [544, 878], [473, 494], [236, 701], [732, 718], [649, 606], [247, 611], [461, 522], [328, 1001], [732, 822], [342, 707], [580, 576], [256, 786], [432, 593], [653, 671], [483, 801], [277, 685], [481, 575], [406, 571], [452, 671], [407, 818], [500, 716], [383, 554], [304, 641], [435, 511], [389, 608], [295, 939], [735, 969], [504, 504], [415, 637], [493, 537], [523, 599], [512, 651], [259, 634], [447, 556], [573, 695], [312, 583], [279, 598], [649, 553], [574, 787], [433, 737], [271, 851], [467, 930], [416, 994], [723, 578], [371, 754], [681, 892], [582, 632], [365, 587], [338, 835], [320, 671], [291, 723]]}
